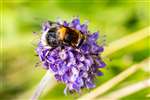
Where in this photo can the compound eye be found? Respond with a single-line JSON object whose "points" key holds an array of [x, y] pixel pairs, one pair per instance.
{"points": [[51, 39], [52, 32]]}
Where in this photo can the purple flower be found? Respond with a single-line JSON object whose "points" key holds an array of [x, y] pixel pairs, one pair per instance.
{"points": [[75, 67]]}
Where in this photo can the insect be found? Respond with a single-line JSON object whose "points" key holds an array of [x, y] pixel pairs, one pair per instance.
{"points": [[59, 35]]}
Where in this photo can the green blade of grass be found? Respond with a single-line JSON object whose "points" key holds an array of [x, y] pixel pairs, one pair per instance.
{"points": [[125, 91], [114, 81], [126, 41]]}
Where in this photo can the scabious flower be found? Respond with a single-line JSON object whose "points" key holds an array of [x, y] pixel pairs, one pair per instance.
{"points": [[75, 67]]}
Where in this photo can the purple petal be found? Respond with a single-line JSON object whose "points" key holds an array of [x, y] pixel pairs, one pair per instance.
{"points": [[76, 87], [94, 36], [50, 59], [99, 73], [78, 27], [82, 58], [100, 49], [89, 84], [63, 55], [45, 52], [65, 78], [46, 65], [84, 74], [66, 24], [79, 81], [42, 58], [53, 68], [75, 74], [100, 64], [81, 73], [89, 57], [84, 28], [45, 25], [85, 48], [96, 49], [70, 86], [87, 64], [70, 54], [80, 65], [75, 22], [58, 77]]}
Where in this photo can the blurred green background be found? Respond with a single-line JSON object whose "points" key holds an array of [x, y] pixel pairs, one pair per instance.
{"points": [[113, 18]]}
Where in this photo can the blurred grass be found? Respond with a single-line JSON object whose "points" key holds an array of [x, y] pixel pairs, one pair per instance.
{"points": [[115, 19], [128, 90]]}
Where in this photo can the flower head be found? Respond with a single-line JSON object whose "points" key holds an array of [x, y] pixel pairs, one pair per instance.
{"points": [[76, 67]]}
